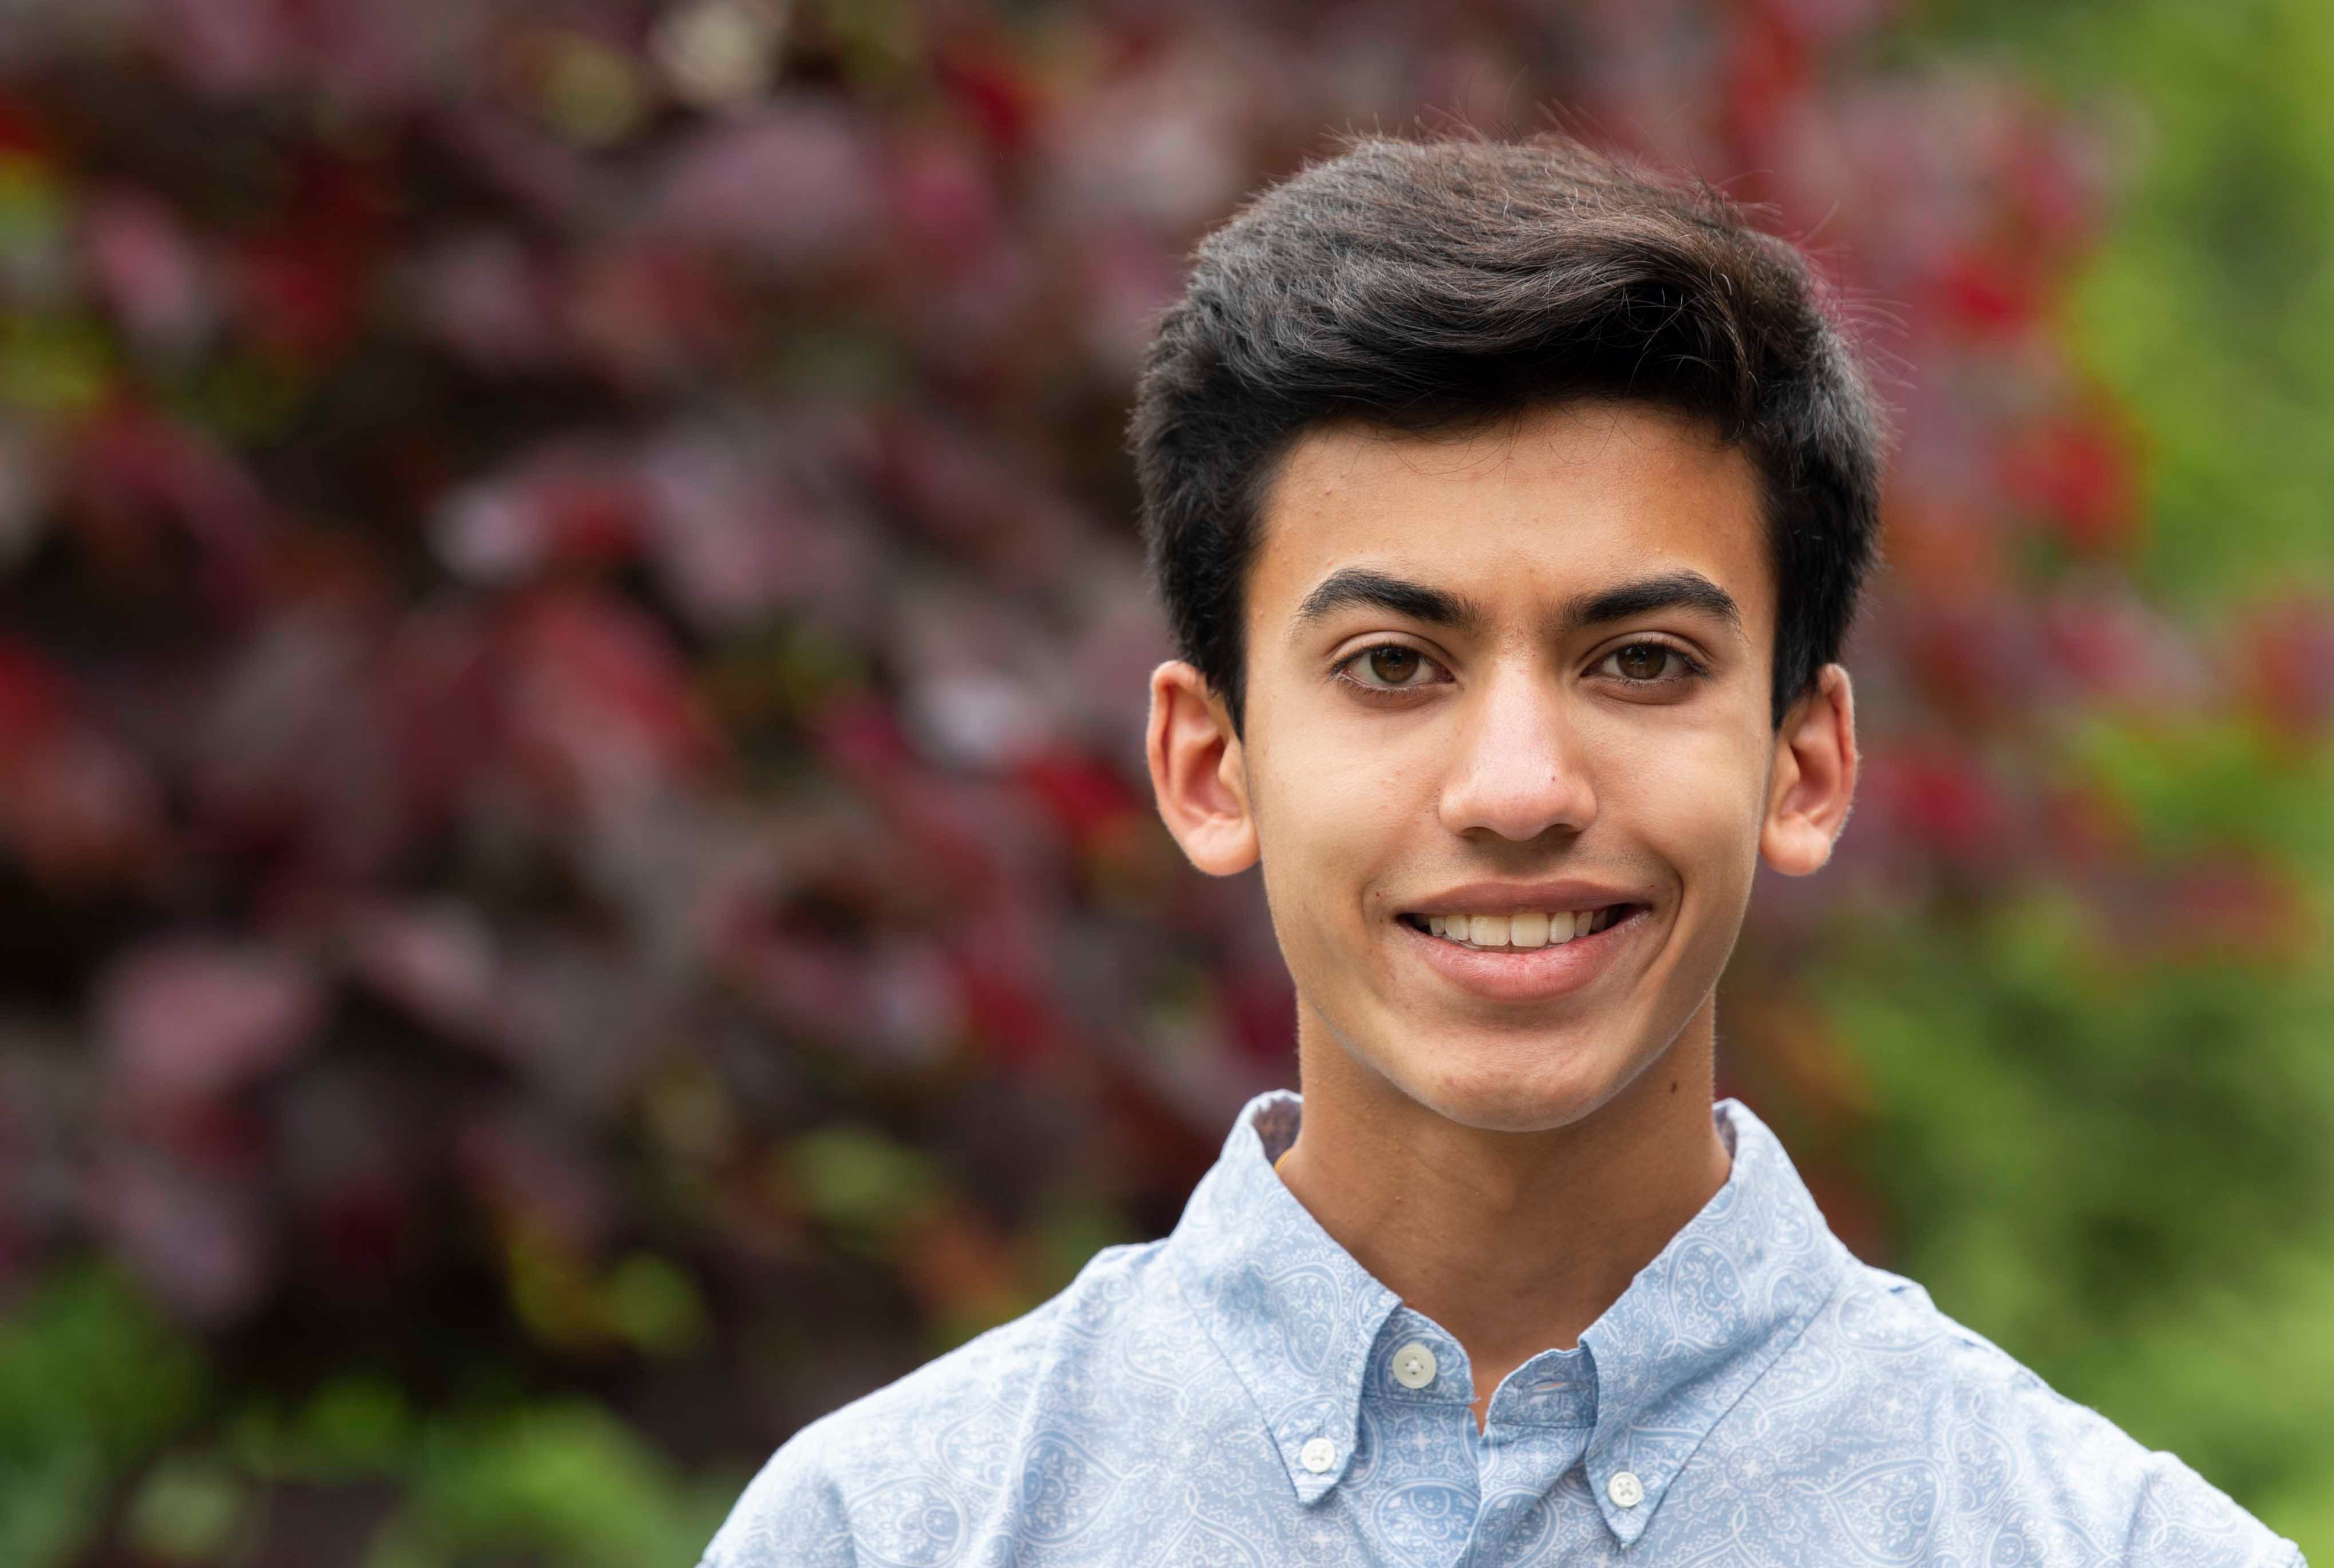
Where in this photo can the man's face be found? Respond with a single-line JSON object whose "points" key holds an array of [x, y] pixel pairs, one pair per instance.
{"points": [[1493, 685]]}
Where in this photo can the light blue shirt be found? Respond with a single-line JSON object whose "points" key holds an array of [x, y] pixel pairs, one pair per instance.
{"points": [[1245, 1393]]}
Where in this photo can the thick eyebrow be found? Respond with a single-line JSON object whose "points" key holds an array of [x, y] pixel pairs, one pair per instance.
{"points": [[1351, 586], [1680, 590]]}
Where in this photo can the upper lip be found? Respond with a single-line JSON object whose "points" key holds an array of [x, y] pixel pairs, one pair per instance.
{"points": [[1514, 897]]}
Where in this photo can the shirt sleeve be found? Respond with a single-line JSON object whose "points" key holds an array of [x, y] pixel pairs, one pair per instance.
{"points": [[790, 1516], [2183, 1521]]}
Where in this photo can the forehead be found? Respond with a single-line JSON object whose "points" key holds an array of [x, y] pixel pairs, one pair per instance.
{"points": [[1550, 502]]}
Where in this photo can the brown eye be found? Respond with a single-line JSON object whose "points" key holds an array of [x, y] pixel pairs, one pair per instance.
{"points": [[1642, 661], [1392, 665]]}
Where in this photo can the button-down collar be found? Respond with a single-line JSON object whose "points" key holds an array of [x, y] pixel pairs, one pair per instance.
{"points": [[1303, 1325], [1288, 1308]]}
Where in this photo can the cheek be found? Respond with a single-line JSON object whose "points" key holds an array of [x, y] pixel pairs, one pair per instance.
{"points": [[1696, 802], [1330, 826]]}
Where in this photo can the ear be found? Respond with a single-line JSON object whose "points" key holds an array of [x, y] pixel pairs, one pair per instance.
{"points": [[1813, 783], [1198, 771]]}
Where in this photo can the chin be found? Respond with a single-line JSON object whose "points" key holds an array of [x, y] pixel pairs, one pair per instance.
{"points": [[1492, 1099]]}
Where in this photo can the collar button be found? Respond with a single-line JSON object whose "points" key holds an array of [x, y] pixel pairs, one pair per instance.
{"points": [[1318, 1456], [1625, 1490], [1413, 1366]]}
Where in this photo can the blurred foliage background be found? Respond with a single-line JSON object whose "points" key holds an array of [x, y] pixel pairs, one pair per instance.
{"points": [[575, 882]]}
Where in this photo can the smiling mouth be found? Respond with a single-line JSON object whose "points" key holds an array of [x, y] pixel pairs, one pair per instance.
{"points": [[1525, 932]]}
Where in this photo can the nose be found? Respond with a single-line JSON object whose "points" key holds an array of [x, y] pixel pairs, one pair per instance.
{"points": [[1515, 770]]}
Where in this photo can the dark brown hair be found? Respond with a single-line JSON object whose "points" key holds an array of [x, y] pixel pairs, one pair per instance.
{"points": [[1419, 284]]}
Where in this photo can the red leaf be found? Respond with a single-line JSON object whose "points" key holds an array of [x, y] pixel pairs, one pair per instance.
{"points": [[77, 808], [598, 708], [2285, 662], [2081, 475], [1987, 296], [199, 1243], [1941, 800], [186, 1018]]}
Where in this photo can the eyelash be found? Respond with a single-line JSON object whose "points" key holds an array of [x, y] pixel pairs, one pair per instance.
{"points": [[1376, 693], [1695, 668]]}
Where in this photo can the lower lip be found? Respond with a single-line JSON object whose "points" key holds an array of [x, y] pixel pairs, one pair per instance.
{"points": [[1530, 974]]}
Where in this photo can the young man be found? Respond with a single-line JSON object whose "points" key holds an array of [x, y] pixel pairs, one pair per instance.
{"points": [[1510, 507]]}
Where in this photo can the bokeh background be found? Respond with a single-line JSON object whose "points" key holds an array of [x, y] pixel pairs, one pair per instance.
{"points": [[575, 882]]}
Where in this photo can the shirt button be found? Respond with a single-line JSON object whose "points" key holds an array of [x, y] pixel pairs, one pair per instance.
{"points": [[1625, 1490], [1317, 1455], [1413, 1366]]}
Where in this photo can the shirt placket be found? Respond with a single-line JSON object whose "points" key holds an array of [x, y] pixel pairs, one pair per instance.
{"points": [[1543, 1416], [1423, 1488]]}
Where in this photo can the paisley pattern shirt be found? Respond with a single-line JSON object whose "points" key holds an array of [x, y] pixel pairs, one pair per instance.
{"points": [[1244, 1393]]}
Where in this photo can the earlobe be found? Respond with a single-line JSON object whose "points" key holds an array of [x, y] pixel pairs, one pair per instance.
{"points": [[1813, 783], [1197, 772]]}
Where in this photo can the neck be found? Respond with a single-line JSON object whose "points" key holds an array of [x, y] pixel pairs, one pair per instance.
{"points": [[1513, 1242]]}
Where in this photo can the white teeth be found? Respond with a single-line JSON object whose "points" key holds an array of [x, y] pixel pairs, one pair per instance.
{"points": [[1529, 929]]}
